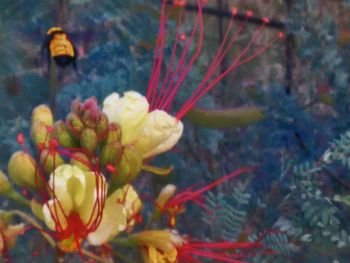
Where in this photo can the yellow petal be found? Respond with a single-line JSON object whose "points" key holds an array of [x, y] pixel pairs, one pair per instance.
{"points": [[56, 211], [129, 112], [159, 134], [94, 183], [113, 221], [70, 179]]}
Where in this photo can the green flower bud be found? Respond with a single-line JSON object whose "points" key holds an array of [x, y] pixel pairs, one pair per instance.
{"points": [[102, 128], [61, 133], [5, 185], [128, 168], [21, 168], [80, 160], [50, 160], [114, 133], [43, 114], [111, 153], [88, 140], [74, 124], [40, 133], [37, 209]]}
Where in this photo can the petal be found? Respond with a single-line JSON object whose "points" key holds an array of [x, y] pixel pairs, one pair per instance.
{"points": [[70, 179], [113, 221], [129, 112], [160, 133], [86, 209], [56, 210], [130, 200]]}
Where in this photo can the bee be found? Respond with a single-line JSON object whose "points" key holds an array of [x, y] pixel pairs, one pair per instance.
{"points": [[60, 48]]}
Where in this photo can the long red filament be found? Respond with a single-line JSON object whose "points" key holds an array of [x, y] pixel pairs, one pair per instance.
{"points": [[179, 67], [189, 195], [174, 78], [185, 72]]}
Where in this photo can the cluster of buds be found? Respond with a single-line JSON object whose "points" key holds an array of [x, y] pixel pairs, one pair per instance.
{"points": [[66, 180]]}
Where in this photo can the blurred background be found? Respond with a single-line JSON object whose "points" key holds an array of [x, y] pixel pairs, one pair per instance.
{"points": [[297, 199]]}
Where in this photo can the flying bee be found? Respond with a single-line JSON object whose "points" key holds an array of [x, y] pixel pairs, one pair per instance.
{"points": [[60, 48]]}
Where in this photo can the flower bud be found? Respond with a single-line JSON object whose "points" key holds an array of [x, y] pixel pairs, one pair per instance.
{"points": [[114, 133], [88, 140], [80, 160], [102, 127], [167, 192], [43, 114], [5, 185], [111, 153], [40, 133], [129, 166], [74, 124], [76, 107], [37, 209], [50, 160], [62, 135], [91, 113], [21, 168]]}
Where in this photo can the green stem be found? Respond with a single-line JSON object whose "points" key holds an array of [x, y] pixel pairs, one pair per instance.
{"points": [[125, 242], [18, 198], [53, 85]]}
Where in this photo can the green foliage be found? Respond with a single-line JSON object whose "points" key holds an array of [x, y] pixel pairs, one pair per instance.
{"points": [[226, 218]]}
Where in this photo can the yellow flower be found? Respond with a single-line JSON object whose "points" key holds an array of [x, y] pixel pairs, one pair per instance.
{"points": [[152, 132], [8, 235], [159, 246], [79, 210]]}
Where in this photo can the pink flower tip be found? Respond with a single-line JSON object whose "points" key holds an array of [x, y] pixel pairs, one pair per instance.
{"points": [[266, 20], [281, 35], [234, 11], [20, 138], [249, 13]]}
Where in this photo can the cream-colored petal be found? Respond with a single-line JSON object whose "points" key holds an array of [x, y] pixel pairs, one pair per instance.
{"points": [[113, 221], [160, 133], [130, 200], [56, 211], [95, 186], [70, 179], [129, 111]]}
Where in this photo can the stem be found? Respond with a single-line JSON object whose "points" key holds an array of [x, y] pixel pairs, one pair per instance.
{"points": [[18, 198], [125, 242], [53, 84], [93, 256]]}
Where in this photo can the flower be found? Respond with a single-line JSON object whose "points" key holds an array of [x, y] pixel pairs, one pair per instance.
{"points": [[168, 246], [8, 235], [152, 132], [158, 246], [79, 210]]}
